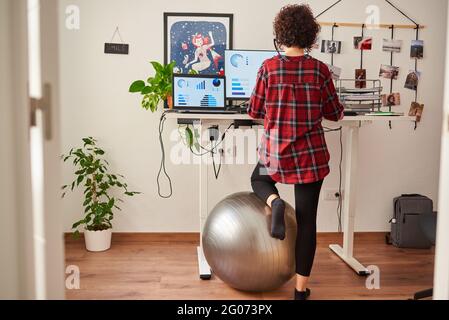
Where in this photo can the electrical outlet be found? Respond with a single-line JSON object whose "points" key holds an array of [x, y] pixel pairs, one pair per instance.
{"points": [[332, 195], [228, 153]]}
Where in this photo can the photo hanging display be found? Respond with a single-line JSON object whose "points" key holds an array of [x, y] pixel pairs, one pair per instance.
{"points": [[412, 80], [417, 49], [390, 45], [389, 72], [197, 41], [335, 71], [330, 46], [363, 43], [416, 110], [360, 76], [391, 99]]}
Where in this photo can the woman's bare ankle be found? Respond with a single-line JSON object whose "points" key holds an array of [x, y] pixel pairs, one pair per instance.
{"points": [[301, 283], [271, 199]]}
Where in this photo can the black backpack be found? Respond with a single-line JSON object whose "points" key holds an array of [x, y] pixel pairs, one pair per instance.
{"points": [[406, 230]]}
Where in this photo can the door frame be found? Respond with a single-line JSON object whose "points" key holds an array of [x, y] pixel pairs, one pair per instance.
{"points": [[16, 203], [19, 278], [441, 290]]}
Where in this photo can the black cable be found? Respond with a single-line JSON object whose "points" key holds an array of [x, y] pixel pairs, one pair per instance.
{"points": [[162, 168], [213, 151], [340, 185], [400, 11], [361, 51], [281, 57], [416, 63], [333, 36], [416, 70], [326, 10], [216, 146], [216, 173], [391, 60], [390, 124]]}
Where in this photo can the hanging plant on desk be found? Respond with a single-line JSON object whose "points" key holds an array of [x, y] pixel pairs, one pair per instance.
{"points": [[156, 89]]}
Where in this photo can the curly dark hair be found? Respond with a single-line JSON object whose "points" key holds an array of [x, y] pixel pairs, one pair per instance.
{"points": [[296, 26]]}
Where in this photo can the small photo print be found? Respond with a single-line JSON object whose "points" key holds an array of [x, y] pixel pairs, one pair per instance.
{"points": [[416, 110], [360, 76], [389, 45], [389, 72], [361, 43], [335, 71], [417, 50], [328, 46], [412, 80], [393, 99]]}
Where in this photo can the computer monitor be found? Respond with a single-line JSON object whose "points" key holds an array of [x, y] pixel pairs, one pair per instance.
{"points": [[199, 92], [241, 67]]}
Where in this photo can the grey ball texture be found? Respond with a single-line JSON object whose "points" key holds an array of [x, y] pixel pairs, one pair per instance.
{"points": [[239, 248]]}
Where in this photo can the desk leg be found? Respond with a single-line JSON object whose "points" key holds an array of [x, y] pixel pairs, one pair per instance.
{"points": [[346, 253], [204, 268]]}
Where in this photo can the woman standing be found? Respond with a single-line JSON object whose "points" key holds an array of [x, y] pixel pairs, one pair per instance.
{"points": [[293, 94]]}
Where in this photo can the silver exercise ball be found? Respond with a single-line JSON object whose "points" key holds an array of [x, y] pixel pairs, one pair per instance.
{"points": [[239, 248]]}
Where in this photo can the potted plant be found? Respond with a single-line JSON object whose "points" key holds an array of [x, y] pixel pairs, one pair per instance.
{"points": [[93, 175], [156, 89]]}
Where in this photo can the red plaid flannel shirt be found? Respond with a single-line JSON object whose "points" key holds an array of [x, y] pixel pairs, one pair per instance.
{"points": [[293, 95]]}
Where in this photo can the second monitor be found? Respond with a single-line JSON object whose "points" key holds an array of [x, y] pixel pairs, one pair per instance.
{"points": [[241, 67]]}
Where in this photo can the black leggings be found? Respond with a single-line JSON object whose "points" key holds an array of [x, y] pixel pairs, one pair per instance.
{"points": [[306, 201]]}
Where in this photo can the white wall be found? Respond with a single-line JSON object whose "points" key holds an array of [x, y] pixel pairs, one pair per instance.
{"points": [[96, 102]]}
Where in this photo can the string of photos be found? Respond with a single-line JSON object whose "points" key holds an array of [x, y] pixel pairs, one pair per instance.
{"points": [[367, 96]]}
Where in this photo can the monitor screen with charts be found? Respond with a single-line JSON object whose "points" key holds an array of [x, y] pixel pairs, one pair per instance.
{"points": [[199, 92], [241, 67]]}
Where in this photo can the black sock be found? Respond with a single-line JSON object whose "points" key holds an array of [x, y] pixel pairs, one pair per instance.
{"points": [[278, 219]]}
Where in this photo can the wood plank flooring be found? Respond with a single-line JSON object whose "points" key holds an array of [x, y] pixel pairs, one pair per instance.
{"points": [[164, 266]]}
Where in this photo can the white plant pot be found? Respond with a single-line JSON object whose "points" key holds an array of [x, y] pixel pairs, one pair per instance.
{"points": [[98, 241]]}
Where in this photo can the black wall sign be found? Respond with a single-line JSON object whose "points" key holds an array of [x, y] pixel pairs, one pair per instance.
{"points": [[116, 48]]}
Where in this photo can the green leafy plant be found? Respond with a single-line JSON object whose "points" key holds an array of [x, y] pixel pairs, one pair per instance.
{"points": [[158, 88], [93, 174]]}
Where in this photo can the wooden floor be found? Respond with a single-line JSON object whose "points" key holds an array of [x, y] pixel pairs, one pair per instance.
{"points": [[144, 266]]}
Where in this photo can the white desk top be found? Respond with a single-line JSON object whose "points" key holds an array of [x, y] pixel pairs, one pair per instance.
{"points": [[228, 117]]}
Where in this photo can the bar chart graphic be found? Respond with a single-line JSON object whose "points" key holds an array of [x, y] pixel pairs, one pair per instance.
{"points": [[240, 87], [183, 100], [201, 85], [208, 101]]}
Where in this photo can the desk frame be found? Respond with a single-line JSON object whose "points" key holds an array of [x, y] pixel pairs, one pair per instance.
{"points": [[353, 125]]}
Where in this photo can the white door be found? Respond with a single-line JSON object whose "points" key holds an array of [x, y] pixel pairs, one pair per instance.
{"points": [[31, 240]]}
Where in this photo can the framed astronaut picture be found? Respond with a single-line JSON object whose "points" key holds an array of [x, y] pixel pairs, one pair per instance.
{"points": [[197, 41]]}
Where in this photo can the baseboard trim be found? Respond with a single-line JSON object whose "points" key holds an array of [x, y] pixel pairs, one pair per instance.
{"points": [[195, 237], [145, 237]]}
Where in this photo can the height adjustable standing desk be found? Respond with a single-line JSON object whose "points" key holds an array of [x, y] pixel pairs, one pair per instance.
{"points": [[352, 126]]}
